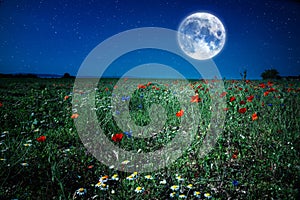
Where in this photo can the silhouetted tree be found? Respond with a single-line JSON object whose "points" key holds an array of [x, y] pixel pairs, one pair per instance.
{"points": [[67, 75], [270, 74]]}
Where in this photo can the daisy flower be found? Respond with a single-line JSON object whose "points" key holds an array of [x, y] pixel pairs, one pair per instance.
{"points": [[115, 177], [103, 179], [148, 177], [139, 190], [175, 187], [179, 178], [182, 196], [163, 182], [27, 145], [125, 162], [189, 186], [102, 186], [197, 194], [81, 191], [24, 164], [207, 195], [173, 194], [130, 178]]}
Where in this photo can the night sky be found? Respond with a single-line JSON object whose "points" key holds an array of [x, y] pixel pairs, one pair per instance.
{"points": [[54, 37]]}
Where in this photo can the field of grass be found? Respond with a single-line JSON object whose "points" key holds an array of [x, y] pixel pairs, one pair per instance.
{"points": [[256, 156]]}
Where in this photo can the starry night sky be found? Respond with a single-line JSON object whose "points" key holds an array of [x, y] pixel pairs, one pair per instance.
{"points": [[54, 37]]}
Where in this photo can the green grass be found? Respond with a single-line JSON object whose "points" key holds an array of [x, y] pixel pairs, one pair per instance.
{"points": [[261, 155]]}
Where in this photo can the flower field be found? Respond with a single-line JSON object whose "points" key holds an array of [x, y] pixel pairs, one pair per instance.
{"points": [[256, 156]]}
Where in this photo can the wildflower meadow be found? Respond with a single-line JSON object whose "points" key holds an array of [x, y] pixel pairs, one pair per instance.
{"points": [[256, 156]]}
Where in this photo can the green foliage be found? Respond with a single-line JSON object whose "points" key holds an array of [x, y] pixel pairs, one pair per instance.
{"points": [[261, 154], [270, 74]]}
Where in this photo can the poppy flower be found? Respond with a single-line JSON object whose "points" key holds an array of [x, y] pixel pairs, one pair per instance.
{"points": [[235, 154], [242, 102], [117, 137], [254, 116], [179, 113], [270, 83], [250, 98], [242, 110], [225, 109], [140, 86], [232, 99], [1, 104], [106, 89], [66, 97], [41, 138], [266, 93], [262, 85], [195, 99], [272, 90], [223, 94], [74, 116]]}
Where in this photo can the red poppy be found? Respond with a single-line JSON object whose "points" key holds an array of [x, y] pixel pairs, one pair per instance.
{"points": [[246, 90], [117, 137], [232, 99], [106, 89], [247, 81], [90, 166], [262, 85], [223, 94], [1, 104], [242, 110], [272, 90], [225, 109], [41, 138], [242, 102], [149, 83], [140, 86], [66, 97], [235, 155], [195, 99], [250, 98], [74, 116], [240, 88], [270, 83], [179, 113], [266, 93], [254, 116]]}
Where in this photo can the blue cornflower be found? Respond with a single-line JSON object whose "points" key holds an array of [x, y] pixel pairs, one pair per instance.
{"points": [[124, 98], [270, 104], [235, 183], [140, 106], [128, 134]]}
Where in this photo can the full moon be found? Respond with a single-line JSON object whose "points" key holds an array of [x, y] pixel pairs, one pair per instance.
{"points": [[201, 36]]}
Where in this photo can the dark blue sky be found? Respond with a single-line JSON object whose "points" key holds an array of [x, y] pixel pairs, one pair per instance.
{"points": [[54, 37]]}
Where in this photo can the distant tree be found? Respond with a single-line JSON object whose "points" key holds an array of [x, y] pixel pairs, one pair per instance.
{"points": [[67, 75], [270, 74]]}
